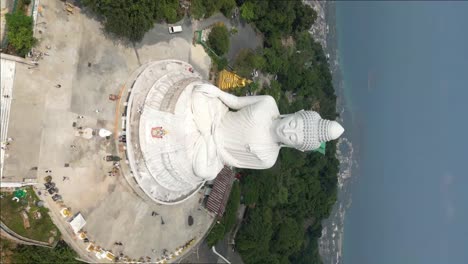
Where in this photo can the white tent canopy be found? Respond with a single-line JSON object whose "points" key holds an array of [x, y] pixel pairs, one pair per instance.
{"points": [[104, 132], [77, 223], [14, 184]]}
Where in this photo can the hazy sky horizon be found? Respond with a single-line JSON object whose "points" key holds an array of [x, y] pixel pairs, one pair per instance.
{"points": [[405, 69]]}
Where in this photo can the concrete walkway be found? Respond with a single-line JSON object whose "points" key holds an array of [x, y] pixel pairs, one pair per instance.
{"points": [[6, 96]]}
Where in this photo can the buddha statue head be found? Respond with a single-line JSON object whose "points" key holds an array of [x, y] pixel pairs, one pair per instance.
{"points": [[305, 130]]}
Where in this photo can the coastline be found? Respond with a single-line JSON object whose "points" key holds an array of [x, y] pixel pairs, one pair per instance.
{"points": [[332, 239]]}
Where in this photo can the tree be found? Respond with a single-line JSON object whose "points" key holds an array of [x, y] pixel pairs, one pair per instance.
{"points": [[216, 234], [221, 62], [132, 19], [218, 39], [254, 238], [20, 32], [301, 186], [211, 6], [246, 61], [33, 254], [206, 8], [197, 9], [229, 218], [250, 189], [226, 7], [305, 17], [247, 11], [289, 237]]}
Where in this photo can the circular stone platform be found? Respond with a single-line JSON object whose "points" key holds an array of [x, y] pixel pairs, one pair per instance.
{"points": [[157, 153]]}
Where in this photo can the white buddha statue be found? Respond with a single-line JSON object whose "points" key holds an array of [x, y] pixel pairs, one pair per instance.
{"points": [[252, 135], [181, 131]]}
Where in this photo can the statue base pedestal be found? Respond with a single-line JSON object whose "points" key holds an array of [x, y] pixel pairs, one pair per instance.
{"points": [[157, 112]]}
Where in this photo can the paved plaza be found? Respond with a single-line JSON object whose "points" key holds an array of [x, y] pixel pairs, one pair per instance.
{"points": [[83, 66]]}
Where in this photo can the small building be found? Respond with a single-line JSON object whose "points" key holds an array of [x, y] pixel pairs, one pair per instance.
{"points": [[228, 80], [91, 247], [77, 223], [4, 184], [65, 212]]}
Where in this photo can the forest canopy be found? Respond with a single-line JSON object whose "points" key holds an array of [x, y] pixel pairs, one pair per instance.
{"points": [[132, 19], [288, 202]]}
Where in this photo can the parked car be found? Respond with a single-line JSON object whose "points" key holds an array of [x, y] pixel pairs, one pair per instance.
{"points": [[53, 190], [112, 158], [49, 185], [56, 197], [175, 29]]}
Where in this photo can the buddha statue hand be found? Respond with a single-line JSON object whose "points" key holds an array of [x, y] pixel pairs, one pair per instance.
{"points": [[208, 90]]}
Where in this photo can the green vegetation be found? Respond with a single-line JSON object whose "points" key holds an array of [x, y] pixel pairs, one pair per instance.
{"points": [[229, 219], [205, 8], [20, 32], [6, 250], [278, 18], [132, 19], [288, 202], [40, 229], [247, 11], [218, 39], [221, 62], [22, 6], [246, 61], [62, 253], [216, 234], [217, 46]]}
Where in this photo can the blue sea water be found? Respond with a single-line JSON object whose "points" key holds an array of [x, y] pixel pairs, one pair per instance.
{"points": [[405, 68]]}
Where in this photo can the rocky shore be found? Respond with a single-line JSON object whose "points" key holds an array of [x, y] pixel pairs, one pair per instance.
{"points": [[324, 31], [319, 29]]}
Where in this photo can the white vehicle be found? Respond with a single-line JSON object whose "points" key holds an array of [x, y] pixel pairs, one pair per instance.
{"points": [[175, 29]]}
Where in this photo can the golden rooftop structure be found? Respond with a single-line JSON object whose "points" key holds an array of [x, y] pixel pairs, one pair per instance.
{"points": [[228, 80]]}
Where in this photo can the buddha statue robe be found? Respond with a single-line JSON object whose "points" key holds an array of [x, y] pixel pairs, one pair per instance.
{"points": [[239, 137]]}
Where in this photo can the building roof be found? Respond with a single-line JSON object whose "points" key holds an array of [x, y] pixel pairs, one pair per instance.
{"points": [[77, 223], [228, 80], [14, 184], [220, 193]]}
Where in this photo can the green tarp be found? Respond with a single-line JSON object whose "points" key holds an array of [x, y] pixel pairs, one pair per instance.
{"points": [[20, 193], [321, 149]]}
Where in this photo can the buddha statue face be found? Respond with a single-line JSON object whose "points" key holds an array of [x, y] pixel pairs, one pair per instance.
{"points": [[289, 130], [305, 130]]}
